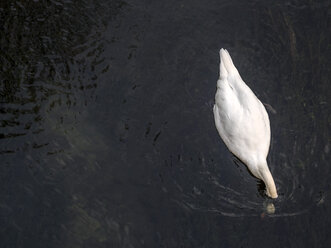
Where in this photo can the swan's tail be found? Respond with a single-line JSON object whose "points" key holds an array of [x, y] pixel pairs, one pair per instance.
{"points": [[226, 66]]}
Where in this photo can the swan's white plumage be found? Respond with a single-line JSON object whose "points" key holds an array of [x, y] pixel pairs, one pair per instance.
{"points": [[243, 122]]}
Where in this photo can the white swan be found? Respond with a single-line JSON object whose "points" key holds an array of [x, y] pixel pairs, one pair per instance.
{"points": [[243, 122]]}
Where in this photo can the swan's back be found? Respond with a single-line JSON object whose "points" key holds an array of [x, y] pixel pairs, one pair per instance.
{"points": [[245, 124]]}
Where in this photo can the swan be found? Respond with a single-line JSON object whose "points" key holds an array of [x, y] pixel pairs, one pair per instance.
{"points": [[242, 122]]}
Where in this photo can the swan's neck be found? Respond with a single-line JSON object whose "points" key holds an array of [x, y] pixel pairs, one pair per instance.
{"points": [[269, 182]]}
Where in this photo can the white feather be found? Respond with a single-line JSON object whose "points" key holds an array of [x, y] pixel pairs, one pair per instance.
{"points": [[243, 122]]}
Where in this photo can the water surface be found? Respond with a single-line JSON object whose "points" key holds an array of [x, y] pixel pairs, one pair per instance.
{"points": [[107, 131]]}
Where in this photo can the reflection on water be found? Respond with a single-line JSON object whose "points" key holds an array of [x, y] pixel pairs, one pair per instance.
{"points": [[52, 60], [107, 136]]}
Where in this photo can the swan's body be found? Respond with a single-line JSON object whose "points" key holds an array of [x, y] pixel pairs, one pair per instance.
{"points": [[243, 122]]}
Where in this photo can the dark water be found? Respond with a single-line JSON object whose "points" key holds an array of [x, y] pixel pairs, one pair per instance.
{"points": [[107, 132]]}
